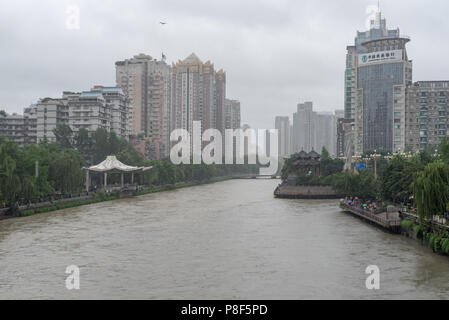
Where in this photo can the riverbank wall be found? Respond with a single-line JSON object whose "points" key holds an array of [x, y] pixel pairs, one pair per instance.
{"points": [[432, 234], [285, 191], [49, 206]]}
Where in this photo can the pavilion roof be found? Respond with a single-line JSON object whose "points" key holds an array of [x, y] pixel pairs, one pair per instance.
{"points": [[112, 163]]}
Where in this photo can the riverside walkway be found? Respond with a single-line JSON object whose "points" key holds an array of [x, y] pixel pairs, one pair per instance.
{"points": [[386, 220]]}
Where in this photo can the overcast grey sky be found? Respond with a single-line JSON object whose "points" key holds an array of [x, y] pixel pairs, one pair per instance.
{"points": [[276, 53]]}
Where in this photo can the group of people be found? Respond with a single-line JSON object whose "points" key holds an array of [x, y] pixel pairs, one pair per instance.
{"points": [[356, 202]]}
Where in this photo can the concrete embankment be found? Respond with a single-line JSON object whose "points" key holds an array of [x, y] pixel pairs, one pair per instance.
{"points": [[305, 192], [66, 203]]}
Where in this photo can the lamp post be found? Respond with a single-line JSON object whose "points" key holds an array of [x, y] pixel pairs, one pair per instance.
{"points": [[374, 156], [436, 155], [356, 158]]}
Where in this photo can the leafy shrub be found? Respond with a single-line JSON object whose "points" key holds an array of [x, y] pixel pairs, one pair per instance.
{"points": [[434, 242], [418, 232], [445, 245], [407, 225]]}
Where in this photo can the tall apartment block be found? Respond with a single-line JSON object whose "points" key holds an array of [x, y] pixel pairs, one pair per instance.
{"points": [[427, 114], [282, 124], [146, 82], [198, 94], [377, 73], [303, 134]]}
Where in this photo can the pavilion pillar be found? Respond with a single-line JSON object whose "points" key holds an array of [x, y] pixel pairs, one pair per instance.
{"points": [[123, 180], [105, 180], [132, 177], [87, 180]]}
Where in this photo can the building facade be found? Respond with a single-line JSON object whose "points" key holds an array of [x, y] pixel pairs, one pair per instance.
{"points": [[427, 114], [21, 129], [198, 94], [377, 72], [101, 107], [51, 112], [146, 83], [303, 135]]}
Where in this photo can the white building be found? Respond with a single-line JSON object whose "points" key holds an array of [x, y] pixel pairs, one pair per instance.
{"points": [[51, 112], [102, 107], [21, 129]]}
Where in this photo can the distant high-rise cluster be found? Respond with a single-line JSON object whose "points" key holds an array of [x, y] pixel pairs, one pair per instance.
{"points": [[309, 131], [384, 109], [151, 99]]}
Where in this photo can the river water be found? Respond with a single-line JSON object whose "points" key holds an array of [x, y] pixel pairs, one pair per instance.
{"points": [[228, 240]]}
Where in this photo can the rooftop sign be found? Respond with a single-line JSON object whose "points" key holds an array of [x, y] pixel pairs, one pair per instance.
{"points": [[380, 56]]}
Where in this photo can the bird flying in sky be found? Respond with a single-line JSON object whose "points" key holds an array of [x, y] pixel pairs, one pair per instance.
{"points": [[161, 22]]}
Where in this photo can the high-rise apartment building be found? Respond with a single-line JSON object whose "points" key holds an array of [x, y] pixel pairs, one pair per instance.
{"points": [[146, 83], [377, 73], [427, 114], [325, 132], [198, 94], [303, 134]]}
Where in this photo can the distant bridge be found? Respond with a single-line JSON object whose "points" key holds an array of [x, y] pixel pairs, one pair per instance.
{"points": [[254, 176]]}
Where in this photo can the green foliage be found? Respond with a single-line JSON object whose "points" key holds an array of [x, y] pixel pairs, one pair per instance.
{"points": [[328, 167], [435, 242], [325, 154], [431, 190], [64, 136], [362, 185], [396, 179], [445, 245], [60, 167], [65, 173], [418, 231], [444, 150], [407, 225]]}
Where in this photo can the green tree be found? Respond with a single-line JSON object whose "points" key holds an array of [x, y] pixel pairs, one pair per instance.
{"points": [[431, 190], [63, 135], [65, 171], [397, 178], [100, 145], [84, 143], [444, 150], [9, 180]]}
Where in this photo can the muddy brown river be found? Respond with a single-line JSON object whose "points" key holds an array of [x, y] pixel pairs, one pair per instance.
{"points": [[228, 240]]}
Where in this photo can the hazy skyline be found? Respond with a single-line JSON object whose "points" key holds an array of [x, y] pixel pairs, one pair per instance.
{"points": [[275, 53]]}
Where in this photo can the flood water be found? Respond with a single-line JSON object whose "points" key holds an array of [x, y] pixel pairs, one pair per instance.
{"points": [[228, 240]]}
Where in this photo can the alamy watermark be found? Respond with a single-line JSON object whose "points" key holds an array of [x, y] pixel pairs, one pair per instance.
{"points": [[72, 17], [249, 143], [373, 280], [72, 282]]}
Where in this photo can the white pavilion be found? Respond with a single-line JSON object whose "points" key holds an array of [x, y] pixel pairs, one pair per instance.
{"points": [[113, 165]]}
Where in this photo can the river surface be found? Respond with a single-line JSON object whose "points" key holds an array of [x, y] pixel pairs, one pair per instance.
{"points": [[228, 240]]}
